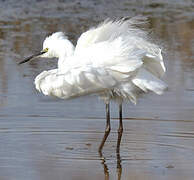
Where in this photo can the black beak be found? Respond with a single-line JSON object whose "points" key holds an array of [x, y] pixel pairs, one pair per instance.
{"points": [[33, 56]]}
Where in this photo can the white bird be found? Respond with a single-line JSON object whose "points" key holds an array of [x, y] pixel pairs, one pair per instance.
{"points": [[114, 60]]}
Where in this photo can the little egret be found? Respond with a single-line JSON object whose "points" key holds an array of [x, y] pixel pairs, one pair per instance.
{"points": [[115, 60]]}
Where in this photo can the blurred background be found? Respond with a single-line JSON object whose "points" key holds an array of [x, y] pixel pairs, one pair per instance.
{"points": [[46, 138]]}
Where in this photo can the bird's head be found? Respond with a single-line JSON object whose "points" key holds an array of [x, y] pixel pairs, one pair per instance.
{"points": [[55, 45]]}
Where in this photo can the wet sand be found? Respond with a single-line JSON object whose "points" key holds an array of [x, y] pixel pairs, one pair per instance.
{"points": [[47, 138]]}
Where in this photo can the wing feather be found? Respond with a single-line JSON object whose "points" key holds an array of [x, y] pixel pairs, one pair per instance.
{"points": [[109, 30], [75, 82], [114, 57]]}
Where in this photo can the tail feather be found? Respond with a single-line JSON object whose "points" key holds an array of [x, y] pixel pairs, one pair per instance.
{"points": [[147, 81]]}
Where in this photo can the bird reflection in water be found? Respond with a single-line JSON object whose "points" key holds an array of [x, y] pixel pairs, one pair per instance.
{"points": [[119, 167], [106, 170]]}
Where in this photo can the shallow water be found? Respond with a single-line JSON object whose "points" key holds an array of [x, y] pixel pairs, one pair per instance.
{"points": [[46, 138]]}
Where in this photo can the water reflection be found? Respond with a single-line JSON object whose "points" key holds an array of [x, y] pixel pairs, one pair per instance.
{"points": [[105, 166], [3, 83], [119, 166]]}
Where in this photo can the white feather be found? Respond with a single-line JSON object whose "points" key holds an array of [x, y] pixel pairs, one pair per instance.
{"points": [[114, 60], [147, 81]]}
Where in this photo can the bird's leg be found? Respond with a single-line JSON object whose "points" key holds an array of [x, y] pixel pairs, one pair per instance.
{"points": [[107, 130], [120, 130]]}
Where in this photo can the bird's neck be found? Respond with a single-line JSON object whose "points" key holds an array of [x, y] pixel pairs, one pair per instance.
{"points": [[66, 51]]}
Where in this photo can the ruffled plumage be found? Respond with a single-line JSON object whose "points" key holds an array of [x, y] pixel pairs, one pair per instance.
{"points": [[115, 60]]}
